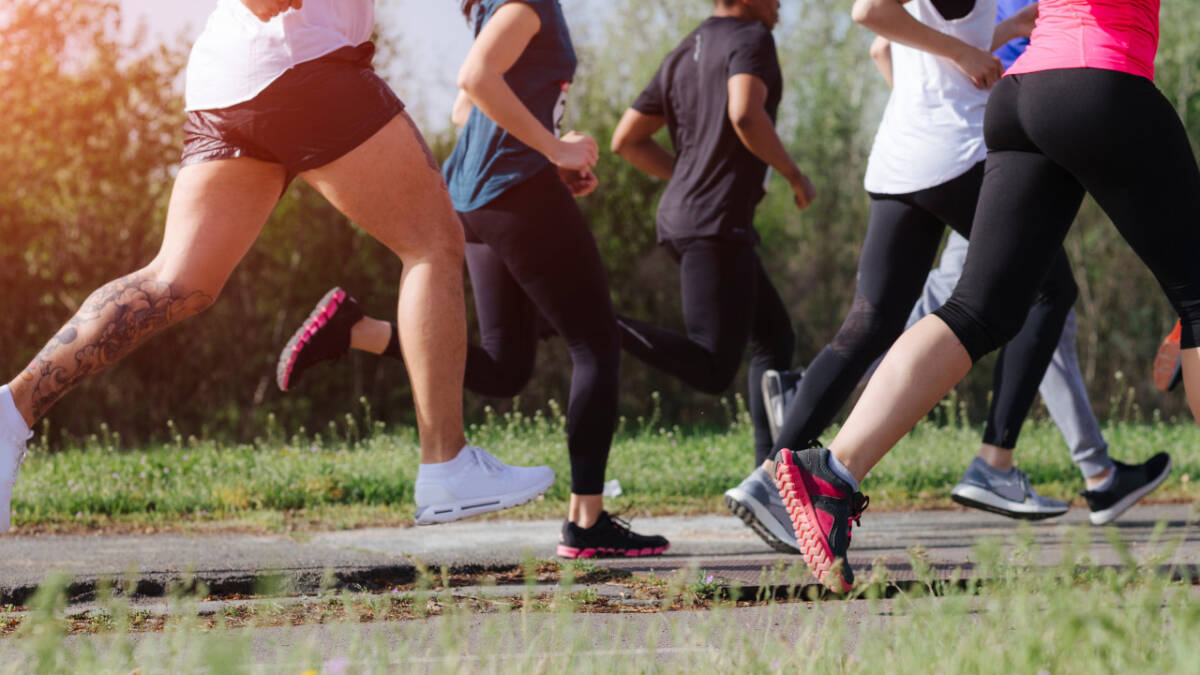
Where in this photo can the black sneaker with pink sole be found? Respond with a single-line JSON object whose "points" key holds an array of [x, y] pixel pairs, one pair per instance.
{"points": [[609, 537], [324, 336]]}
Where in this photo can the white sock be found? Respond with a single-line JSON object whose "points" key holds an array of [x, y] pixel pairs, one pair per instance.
{"points": [[842, 472], [442, 469], [1108, 482], [11, 419]]}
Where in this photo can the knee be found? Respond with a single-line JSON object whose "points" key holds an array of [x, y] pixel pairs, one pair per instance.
{"points": [[868, 329]]}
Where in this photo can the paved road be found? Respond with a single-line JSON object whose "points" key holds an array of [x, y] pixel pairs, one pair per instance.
{"points": [[234, 563]]}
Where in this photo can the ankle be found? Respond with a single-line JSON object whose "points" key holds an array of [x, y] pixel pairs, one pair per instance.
{"points": [[1000, 459], [1101, 481]]}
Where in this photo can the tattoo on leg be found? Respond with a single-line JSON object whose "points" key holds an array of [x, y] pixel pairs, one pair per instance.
{"points": [[424, 146], [112, 322]]}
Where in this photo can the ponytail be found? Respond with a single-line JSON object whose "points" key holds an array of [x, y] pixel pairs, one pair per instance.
{"points": [[468, 7]]}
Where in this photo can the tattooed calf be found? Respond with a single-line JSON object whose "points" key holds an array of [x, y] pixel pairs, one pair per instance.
{"points": [[112, 322]]}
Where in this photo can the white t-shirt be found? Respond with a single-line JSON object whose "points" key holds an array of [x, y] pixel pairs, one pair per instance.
{"points": [[932, 129], [237, 56]]}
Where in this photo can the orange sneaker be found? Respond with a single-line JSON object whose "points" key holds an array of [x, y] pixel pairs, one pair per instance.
{"points": [[1168, 370]]}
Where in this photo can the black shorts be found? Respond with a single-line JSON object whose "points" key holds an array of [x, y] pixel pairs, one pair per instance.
{"points": [[311, 115]]}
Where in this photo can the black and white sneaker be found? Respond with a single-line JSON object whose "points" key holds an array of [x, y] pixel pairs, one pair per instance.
{"points": [[1131, 483], [779, 388], [608, 537]]}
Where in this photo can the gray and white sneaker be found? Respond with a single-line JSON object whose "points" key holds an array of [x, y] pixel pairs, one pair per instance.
{"points": [[12, 455], [779, 388], [1005, 492], [756, 501], [483, 484]]}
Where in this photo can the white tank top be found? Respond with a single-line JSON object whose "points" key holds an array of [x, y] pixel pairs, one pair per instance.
{"points": [[932, 129], [237, 56]]}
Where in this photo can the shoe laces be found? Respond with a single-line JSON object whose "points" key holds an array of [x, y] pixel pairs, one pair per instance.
{"points": [[858, 504], [621, 524], [487, 462]]}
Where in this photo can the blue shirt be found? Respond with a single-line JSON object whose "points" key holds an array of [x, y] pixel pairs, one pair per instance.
{"points": [[487, 160], [1014, 48]]}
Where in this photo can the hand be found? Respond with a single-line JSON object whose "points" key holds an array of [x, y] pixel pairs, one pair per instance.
{"points": [[804, 191], [982, 67], [580, 183], [576, 151], [265, 10], [1023, 21]]}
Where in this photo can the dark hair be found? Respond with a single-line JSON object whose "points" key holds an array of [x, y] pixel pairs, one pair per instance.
{"points": [[468, 7]]}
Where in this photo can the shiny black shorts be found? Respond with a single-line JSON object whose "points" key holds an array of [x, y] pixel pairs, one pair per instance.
{"points": [[311, 115]]}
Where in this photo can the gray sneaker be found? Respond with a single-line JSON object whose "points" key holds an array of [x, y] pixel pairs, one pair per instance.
{"points": [[779, 388], [1007, 493], [757, 503]]}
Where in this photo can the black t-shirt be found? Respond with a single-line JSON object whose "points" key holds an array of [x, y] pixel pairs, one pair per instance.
{"points": [[717, 182]]}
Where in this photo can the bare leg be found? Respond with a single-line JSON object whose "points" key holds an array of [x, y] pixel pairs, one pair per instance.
{"points": [[390, 186], [370, 335], [925, 363], [217, 210], [1191, 379]]}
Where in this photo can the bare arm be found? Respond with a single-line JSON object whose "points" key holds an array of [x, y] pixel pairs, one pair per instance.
{"points": [[889, 19], [265, 10], [881, 54], [748, 114], [634, 141], [496, 49], [1019, 25], [462, 109]]}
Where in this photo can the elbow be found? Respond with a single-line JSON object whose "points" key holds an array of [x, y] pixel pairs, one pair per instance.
{"points": [[742, 121], [879, 50], [865, 13], [470, 79], [619, 144]]}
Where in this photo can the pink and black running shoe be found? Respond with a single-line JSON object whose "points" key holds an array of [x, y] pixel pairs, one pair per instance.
{"points": [[822, 507], [324, 336], [609, 537]]}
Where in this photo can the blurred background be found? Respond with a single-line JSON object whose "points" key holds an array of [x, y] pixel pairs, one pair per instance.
{"points": [[91, 110]]}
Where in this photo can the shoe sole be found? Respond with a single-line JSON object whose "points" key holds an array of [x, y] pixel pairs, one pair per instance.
{"points": [[1166, 362], [757, 518], [976, 497], [324, 311], [813, 546], [772, 387], [574, 553], [1113, 512], [436, 514]]}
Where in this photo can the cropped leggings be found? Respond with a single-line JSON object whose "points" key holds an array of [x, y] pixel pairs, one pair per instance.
{"points": [[530, 253], [902, 239], [728, 301], [1051, 136]]}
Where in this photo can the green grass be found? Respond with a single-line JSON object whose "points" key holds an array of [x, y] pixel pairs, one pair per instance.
{"points": [[359, 472], [1023, 620]]}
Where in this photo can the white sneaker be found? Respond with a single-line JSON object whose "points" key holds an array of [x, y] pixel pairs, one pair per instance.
{"points": [[482, 484], [12, 454]]}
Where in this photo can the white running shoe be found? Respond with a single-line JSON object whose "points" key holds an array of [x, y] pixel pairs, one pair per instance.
{"points": [[484, 484], [12, 454]]}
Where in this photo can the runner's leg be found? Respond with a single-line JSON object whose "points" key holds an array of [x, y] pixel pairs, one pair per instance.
{"points": [[391, 186], [772, 346], [216, 212]]}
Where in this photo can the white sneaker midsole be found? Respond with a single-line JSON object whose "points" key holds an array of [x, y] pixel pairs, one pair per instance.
{"points": [[446, 512], [979, 495]]}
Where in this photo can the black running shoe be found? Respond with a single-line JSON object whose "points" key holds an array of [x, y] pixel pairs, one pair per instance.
{"points": [[609, 537], [324, 336], [1131, 483]]}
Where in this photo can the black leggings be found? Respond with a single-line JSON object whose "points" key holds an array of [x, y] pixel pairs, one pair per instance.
{"points": [[727, 301], [529, 253], [1052, 136], [902, 239]]}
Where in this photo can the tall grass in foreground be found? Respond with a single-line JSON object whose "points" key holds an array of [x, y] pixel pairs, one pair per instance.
{"points": [[1069, 619], [361, 471]]}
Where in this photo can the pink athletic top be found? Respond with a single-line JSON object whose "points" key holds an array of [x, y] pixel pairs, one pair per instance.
{"points": [[1107, 34]]}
